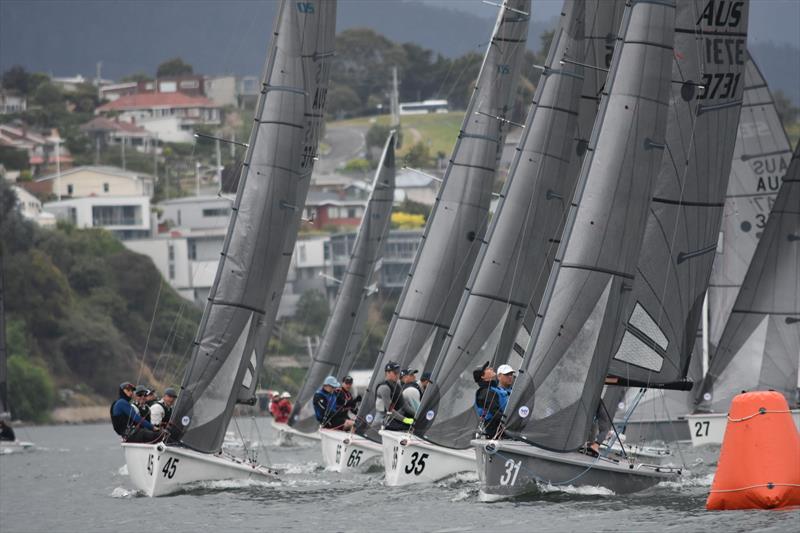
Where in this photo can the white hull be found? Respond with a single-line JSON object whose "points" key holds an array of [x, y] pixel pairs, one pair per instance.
{"points": [[709, 428], [285, 434], [157, 469], [409, 460], [343, 451], [15, 446]]}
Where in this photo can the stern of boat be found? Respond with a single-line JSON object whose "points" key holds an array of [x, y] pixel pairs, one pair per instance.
{"points": [[343, 451]]}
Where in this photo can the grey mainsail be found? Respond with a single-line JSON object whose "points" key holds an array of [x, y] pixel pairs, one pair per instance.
{"points": [[341, 339], [683, 224], [760, 346], [513, 265], [265, 218], [457, 223], [760, 160], [573, 336]]}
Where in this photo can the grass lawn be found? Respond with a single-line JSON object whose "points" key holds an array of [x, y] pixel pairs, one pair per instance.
{"points": [[437, 130]]}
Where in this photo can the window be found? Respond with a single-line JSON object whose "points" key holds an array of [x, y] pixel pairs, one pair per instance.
{"points": [[189, 84], [116, 215], [302, 252], [70, 189], [105, 187], [171, 271], [217, 212], [167, 86], [171, 252], [192, 250], [179, 217]]}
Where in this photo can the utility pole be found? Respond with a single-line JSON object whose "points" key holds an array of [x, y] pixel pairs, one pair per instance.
{"points": [[97, 149], [122, 144], [219, 164], [155, 156], [394, 104], [197, 178], [58, 166]]}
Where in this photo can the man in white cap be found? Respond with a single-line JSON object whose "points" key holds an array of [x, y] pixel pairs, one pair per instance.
{"points": [[505, 377]]}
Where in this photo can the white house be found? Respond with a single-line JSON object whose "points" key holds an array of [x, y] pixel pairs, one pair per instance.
{"points": [[127, 217], [416, 187], [31, 208], [169, 254], [196, 212], [12, 103], [99, 181]]}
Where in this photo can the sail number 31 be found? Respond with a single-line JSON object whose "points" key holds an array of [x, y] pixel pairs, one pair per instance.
{"points": [[510, 475]]}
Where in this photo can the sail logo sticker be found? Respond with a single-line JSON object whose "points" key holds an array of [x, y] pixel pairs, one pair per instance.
{"points": [[185, 420], [305, 7], [370, 418], [429, 415], [524, 411], [621, 405], [707, 396]]}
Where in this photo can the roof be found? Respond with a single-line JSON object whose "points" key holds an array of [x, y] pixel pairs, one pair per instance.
{"points": [[410, 179], [315, 198], [152, 100], [106, 124], [114, 171], [205, 198]]}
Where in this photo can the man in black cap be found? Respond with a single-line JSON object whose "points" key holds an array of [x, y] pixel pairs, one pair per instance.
{"points": [[490, 399], [344, 397], [126, 420], [140, 397], [425, 380], [412, 392], [389, 404], [161, 410]]}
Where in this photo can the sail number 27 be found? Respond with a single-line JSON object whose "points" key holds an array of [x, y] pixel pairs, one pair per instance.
{"points": [[700, 427], [510, 475]]}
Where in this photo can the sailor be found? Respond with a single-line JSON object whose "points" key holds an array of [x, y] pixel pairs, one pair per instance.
{"points": [[425, 380], [412, 392], [284, 408], [274, 405], [6, 432], [344, 397], [140, 401], [491, 397], [126, 420], [161, 410], [325, 402], [505, 377], [389, 404]]}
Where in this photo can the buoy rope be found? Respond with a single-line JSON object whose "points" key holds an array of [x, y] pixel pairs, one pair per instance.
{"points": [[761, 411], [761, 486]]}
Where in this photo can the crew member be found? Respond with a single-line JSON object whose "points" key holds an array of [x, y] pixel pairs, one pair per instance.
{"points": [[274, 404], [344, 397], [491, 397], [389, 404], [325, 406], [284, 408], [412, 392], [161, 410], [425, 380], [141, 394], [6, 432], [126, 420]]}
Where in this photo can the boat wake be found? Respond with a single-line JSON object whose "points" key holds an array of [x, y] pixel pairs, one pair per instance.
{"points": [[580, 491], [688, 480], [122, 492], [301, 468], [123, 470]]}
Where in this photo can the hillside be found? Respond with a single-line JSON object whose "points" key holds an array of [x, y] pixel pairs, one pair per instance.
{"points": [[78, 311]]}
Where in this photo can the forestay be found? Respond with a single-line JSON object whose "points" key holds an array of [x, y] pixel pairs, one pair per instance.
{"points": [[760, 346], [264, 221], [343, 332], [685, 215], [457, 223], [512, 267], [760, 160], [573, 335]]}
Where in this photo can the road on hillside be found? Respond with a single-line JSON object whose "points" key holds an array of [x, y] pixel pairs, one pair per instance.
{"points": [[346, 143]]}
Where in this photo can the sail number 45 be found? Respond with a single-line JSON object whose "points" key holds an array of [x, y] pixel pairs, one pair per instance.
{"points": [[510, 475], [701, 429], [169, 468]]}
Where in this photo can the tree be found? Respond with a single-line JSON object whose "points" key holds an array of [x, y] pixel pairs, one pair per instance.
{"points": [[30, 389], [342, 100], [173, 67], [419, 156], [137, 77], [16, 79], [312, 309]]}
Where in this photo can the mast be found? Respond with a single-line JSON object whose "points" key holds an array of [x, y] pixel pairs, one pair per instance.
{"points": [[760, 345], [457, 223], [264, 220], [510, 274], [4, 408], [682, 228], [345, 327], [560, 382]]}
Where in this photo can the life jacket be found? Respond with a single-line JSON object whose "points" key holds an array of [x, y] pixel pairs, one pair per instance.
{"points": [[502, 399], [415, 385], [330, 404], [167, 412], [396, 396], [119, 422]]}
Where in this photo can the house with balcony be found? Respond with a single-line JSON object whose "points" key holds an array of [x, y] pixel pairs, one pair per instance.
{"points": [[105, 132], [127, 217], [95, 180], [173, 116], [11, 102], [332, 209]]}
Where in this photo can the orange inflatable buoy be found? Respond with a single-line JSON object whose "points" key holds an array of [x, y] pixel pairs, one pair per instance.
{"points": [[759, 464]]}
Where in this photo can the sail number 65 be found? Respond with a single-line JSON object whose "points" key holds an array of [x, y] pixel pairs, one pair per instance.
{"points": [[510, 475]]}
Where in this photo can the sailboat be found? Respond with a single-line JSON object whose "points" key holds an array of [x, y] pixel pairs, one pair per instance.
{"points": [[760, 345], [344, 330], [452, 236], [552, 406], [496, 312], [265, 216], [761, 157], [6, 446]]}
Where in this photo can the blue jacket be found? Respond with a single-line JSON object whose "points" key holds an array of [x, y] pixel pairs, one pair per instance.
{"points": [[122, 409], [490, 400], [324, 404]]}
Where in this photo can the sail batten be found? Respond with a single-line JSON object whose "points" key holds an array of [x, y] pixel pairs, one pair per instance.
{"points": [[458, 220], [232, 335], [344, 330]]}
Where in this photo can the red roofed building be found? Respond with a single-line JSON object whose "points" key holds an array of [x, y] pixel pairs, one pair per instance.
{"points": [[172, 117]]}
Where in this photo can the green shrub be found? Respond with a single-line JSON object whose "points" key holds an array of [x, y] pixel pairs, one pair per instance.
{"points": [[30, 389]]}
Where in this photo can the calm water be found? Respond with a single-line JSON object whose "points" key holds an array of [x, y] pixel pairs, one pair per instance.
{"points": [[75, 482]]}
